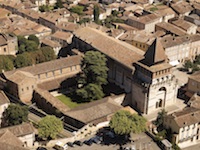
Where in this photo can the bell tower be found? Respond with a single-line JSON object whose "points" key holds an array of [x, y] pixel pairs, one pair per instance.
{"points": [[154, 87]]}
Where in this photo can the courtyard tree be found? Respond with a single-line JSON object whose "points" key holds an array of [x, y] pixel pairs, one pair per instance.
{"points": [[188, 64], [23, 60], [77, 9], [123, 123], [6, 63], [49, 127], [48, 53], [94, 75], [15, 114], [34, 38], [58, 4]]}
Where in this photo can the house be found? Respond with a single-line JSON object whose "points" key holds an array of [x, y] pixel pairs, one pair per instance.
{"points": [[4, 103], [44, 2], [25, 132], [8, 141], [53, 44], [188, 27], [8, 44], [193, 18], [169, 28], [63, 38], [182, 8], [181, 48], [22, 82], [194, 101], [184, 125], [145, 22]]}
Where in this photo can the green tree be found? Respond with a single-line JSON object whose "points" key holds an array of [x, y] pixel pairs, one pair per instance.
{"points": [[123, 123], [188, 64], [48, 53], [197, 60], [49, 127], [31, 46], [94, 68], [90, 92], [45, 8], [6, 63], [77, 9], [94, 75], [23, 60], [34, 38], [96, 13], [58, 4], [15, 114], [37, 56], [160, 119]]}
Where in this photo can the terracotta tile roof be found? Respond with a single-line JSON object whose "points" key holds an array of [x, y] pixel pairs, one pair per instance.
{"points": [[7, 137], [182, 7], [3, 40], [52, 100], [185, 25], [49, 66], [3, 98], [171, 28], [195, 76], [115, 49], [20, 76], [170, 41], [146, 18], [84, 113], [50, 43], [186, 117], [62, 35], [20, 130], [194, 101]]}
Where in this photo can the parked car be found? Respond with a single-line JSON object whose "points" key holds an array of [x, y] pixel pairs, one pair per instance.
{"points": [[41, 148], [79, 143], [97, 139], [70, 144], [88, 142]]}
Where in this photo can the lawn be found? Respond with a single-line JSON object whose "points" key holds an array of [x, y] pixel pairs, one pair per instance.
{"points": [[67, 101]]}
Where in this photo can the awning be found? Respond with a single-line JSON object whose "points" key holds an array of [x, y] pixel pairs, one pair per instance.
{"points": [[174, 63]]}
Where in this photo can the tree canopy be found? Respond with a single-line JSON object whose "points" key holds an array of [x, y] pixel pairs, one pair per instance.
{"points": [[34, 38], [77, 9], [23, 60], [49, 127], [58, 4], [15, 114], [48, 53], [123, 123], [93, 76], [6, 63]]}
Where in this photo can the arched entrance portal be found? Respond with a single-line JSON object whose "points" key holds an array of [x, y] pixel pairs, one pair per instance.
{"points": [[161, 96]]}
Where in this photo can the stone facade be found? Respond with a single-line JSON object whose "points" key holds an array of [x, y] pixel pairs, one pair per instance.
{"points": [[8, 44]]}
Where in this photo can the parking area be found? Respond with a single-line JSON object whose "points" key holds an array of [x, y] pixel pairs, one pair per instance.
{"points": [[109, 142]]}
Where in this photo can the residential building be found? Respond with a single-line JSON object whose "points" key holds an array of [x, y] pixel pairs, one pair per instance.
{"points": [[181, 48], [182, 8], [153, 86], [145, 22], [53, 44], [170, 28], [25, 132], [63, 38], [185, 125], [8, 44], [188, 27]]}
